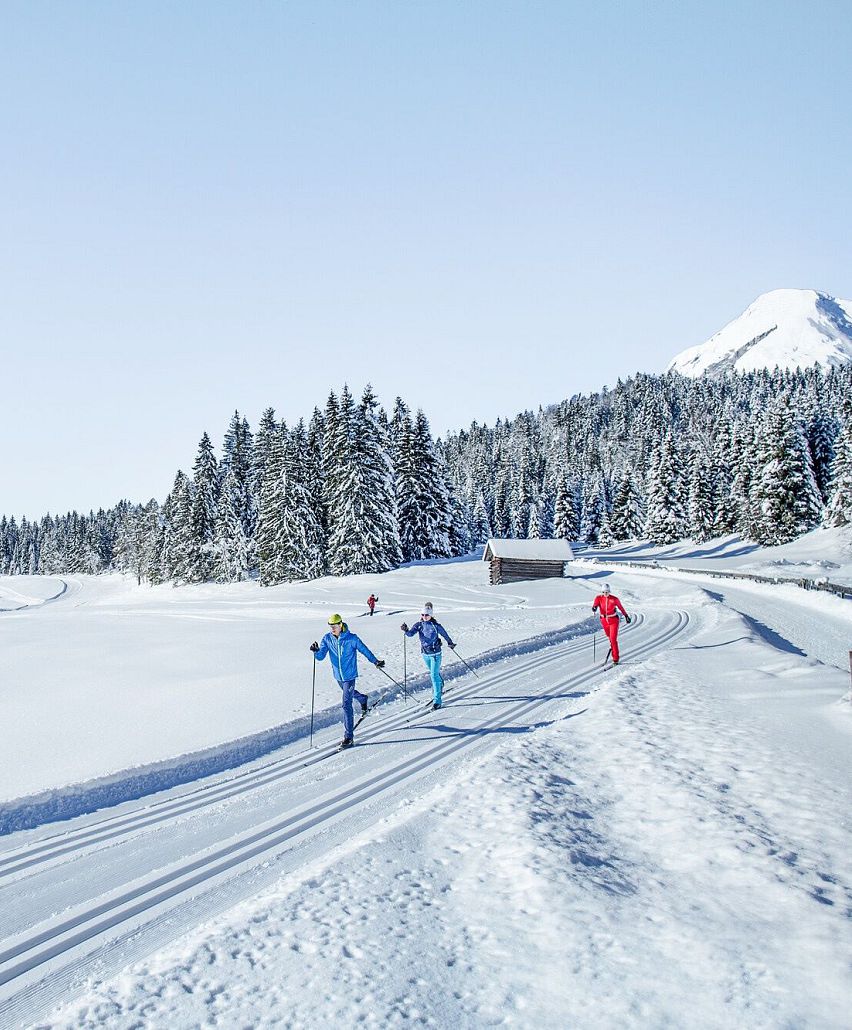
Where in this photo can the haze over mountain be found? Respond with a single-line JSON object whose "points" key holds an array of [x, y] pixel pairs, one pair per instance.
{"points": [[787, 328]]}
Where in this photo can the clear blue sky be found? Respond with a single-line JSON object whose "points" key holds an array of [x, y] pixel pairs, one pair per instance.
{"points": [[481, 206]]}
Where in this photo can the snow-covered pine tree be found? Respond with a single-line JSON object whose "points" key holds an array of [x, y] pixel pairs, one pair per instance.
{"points": [[152, 519], [178, 541], [701, 495], [744, 448], [131, 542], [435, 515], [723, 460], [314, 473], [231, 548], [665, 519], [594, 506], [784, 494], [566, 525], [533, 527], [336, 455], [839, 509], [546, 511], [238, 459], [605, 534], [627, 516], [364, 531], [500, 518], [460, 522], [272, 510], [822, 432], [198, 562], [408, 485], [480, 525], [301, 541], [266, 438]]}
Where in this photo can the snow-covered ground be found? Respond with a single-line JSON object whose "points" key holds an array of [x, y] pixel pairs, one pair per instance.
{"points": [[662, 844]]}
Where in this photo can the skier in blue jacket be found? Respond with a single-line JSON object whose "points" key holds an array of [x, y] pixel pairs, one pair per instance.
{"points": [[343, 647], [430, 632]]}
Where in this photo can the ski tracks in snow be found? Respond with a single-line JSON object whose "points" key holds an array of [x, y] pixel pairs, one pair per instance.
{"points": [[109, 890]]}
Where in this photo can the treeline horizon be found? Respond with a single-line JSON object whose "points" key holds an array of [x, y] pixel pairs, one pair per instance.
{"points": [[767, 455]]}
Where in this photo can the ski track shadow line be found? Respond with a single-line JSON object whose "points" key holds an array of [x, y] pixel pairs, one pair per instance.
{"points": [[442, 731]]}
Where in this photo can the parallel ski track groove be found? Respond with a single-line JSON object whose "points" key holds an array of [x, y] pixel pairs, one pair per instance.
{"points": [[40, 947], [111, 827]]}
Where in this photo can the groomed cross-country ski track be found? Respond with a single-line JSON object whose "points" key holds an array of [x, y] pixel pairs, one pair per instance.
{"points": [[82, 899]]}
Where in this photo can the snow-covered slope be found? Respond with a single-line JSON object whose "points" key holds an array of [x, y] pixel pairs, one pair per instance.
{"points": [[787, 328], [672, 835]]}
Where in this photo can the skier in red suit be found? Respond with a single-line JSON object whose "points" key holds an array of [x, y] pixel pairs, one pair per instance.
{"points": [[609, 606]]}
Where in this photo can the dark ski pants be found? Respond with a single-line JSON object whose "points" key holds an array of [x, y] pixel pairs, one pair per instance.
{"points": [[349, 692], [610, 627]]}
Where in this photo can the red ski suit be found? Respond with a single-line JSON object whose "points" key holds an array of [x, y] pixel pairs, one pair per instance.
{"points": [[609, 606]]}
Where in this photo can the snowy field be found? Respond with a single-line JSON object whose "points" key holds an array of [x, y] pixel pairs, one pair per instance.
{"points": [[667, 843]]}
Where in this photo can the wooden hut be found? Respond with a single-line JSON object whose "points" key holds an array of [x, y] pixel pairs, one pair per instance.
{"points": [[514, 560]]}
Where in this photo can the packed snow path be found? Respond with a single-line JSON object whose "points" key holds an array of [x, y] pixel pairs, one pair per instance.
{"points": [[110, 889]]}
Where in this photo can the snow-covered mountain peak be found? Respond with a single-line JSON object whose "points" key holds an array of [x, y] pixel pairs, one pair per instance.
{"points": [[787, 328]]}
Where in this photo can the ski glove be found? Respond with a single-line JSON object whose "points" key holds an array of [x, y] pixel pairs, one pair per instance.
{"points": [[404, 627], [315, 647], [594, 609], [627, 617], [380, 664]]}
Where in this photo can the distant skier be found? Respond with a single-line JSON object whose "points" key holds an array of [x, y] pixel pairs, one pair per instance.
{"points": [[343, 647], [430, 633], [372, 601], [609, 606]]}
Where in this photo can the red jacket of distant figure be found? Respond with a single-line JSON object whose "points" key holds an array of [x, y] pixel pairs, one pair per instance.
{"points": [[607, 604]]}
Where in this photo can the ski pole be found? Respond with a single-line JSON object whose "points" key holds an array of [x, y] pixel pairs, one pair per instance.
{"points": [[609, 652], [381, 694], [594, 647], [455, 652], [405, 667], [389, 677], [313, 689]]}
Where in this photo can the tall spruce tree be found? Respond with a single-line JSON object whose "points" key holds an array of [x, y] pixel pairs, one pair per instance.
{"points": [[231, 548], [565, 522], [238, 459], [700, 506], [627, 517], [364, 533], [665, 519], [785, 494], [839, 509], [301, 540], [822, 432], [272, 510], [199, 561]]}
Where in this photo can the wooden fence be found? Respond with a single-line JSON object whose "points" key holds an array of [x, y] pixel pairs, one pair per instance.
{"points": [[805, 584]]}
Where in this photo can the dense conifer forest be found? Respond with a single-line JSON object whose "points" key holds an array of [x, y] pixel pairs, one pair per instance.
{"points": [[767, 455]]}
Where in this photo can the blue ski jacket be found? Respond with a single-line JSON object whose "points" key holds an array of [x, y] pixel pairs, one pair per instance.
{"points": [[430, 636], [343, 652]]}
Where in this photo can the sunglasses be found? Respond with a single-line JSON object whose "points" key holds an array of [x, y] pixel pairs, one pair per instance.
{"points": [[425, 615]]}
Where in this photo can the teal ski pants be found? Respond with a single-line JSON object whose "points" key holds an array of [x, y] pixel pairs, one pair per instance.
{"points": [[433, 664]]}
